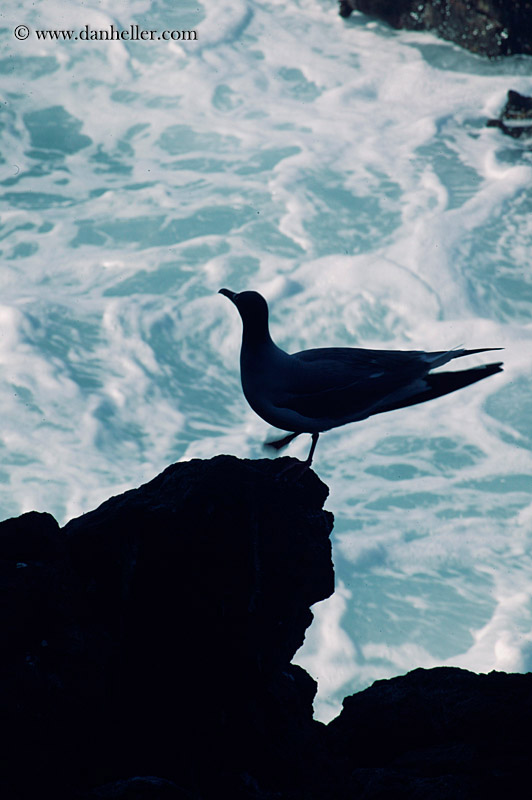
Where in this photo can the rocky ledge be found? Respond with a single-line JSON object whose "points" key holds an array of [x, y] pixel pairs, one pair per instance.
{"points": [[147, 649], [487, 27]]}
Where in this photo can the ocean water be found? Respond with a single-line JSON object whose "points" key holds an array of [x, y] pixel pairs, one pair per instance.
{"points": [[345, 171]]}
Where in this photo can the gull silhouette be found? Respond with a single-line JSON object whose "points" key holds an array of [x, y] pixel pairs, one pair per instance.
{"points": [[315, 390]]}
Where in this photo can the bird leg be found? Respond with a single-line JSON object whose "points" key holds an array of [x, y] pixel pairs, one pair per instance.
{"points": [[315, 437], [299, 468], [278, 444]]}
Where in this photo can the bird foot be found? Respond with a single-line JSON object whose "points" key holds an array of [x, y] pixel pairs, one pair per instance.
{"points": [[300, 467], [293, 471]]}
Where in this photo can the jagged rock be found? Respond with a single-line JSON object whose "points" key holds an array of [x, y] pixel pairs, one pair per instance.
{"points": [[488, 27], [32, 537], [438, 733], [160, 628], [153, 637], [45, 658], [516, 117]]}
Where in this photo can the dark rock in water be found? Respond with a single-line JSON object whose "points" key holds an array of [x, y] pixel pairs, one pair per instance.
{"points": [[488, 27], [516, 117], [438, 733], [153, 637]]}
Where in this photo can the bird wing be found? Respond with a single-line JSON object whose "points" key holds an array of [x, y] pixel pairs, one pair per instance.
{"points": [[362, 360], [339, 385], [348, 383]]}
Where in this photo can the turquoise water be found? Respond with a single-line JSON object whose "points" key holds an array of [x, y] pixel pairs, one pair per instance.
{"points": [[345, 171]]}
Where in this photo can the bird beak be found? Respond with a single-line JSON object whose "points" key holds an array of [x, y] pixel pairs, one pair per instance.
{"points": [[228, 293]]}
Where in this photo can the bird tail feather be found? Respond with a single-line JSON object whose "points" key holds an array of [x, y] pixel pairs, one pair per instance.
{"points": [[459, 354], [441, 383]]}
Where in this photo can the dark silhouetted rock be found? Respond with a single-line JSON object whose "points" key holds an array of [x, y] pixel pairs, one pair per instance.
{"points": [[488, 27], [31, 537], [516, 117], [146, 652], [157, 632], [438, 733]]}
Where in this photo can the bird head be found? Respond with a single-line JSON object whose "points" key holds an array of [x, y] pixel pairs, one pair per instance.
{"points": [[251, 306]]}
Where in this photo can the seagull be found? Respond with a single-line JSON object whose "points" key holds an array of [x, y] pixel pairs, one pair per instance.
{"points": [[315, 390]]}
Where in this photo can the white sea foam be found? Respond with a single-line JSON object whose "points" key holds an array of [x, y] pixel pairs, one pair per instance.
{"points": [[344, 170]]}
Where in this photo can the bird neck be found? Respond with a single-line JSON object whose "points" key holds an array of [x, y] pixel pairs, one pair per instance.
{"points": [[257, 338], [255, 334], [255, 348]]}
